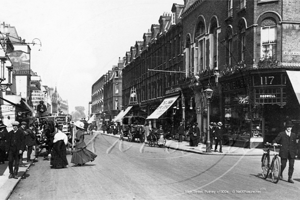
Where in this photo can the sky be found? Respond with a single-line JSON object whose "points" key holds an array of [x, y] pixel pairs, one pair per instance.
{"points": [[80, 39]]}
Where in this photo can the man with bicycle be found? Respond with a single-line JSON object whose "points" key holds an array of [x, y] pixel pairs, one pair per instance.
{"points": [[288, 149]]}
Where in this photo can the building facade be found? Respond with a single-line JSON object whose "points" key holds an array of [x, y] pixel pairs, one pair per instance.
{"points": [[247, 52], [106, 100], [153, 71]]}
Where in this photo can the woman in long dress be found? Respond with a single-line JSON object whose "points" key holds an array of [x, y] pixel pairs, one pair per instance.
{"points": [[81, 154], [161, 138], [3, 133], [59, 151]]}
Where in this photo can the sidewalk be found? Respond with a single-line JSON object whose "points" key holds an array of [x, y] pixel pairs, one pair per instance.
{"points": [[201, 149], [7, 185]]}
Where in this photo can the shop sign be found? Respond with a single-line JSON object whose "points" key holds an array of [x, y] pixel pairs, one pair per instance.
{"points": [[173, 90], [269, 79], [240, 83], [270, 96]]}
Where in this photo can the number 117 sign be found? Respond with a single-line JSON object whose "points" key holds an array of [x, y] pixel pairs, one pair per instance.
{"points": [[269, 79]]}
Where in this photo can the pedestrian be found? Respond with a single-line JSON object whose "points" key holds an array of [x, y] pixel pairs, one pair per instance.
{"points": [[104, 127], [41, 109], [193, 135], [48, 131], [29, 141], [15, 145], [24, 131], [147, 130], [161, 136], [59, 149], [218, 134], [212, 129], [81, 154], [288, 149], [197, 134], [180, 131], [3, 134]]}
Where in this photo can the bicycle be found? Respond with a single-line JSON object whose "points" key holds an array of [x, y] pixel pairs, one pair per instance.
{"points": [[273, 169]]}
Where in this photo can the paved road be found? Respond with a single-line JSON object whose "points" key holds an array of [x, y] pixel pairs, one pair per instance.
{"points": [[125, 170]]}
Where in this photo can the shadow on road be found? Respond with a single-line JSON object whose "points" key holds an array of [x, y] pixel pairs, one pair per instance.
{"points": [[85, 165]]}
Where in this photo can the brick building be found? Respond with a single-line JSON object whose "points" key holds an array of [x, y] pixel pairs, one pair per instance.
{"points": [[248, 53], [152, 70]]}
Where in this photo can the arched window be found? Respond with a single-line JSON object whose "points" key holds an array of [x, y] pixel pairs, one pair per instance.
{"points": [[229, 47], [188, 55], [268, 38], [242, 40], [200, 46], [213, 38]]}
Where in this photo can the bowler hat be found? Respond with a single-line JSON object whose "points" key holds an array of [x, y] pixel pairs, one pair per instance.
{"points": [[289, 124], [23, 123]]}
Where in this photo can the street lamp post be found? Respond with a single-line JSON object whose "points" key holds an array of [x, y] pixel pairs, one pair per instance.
{"points": [[208, 94], [173, 116]]}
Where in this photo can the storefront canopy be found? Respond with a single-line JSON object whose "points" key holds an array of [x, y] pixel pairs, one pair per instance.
{"points": [[163, 107], [120, 116], [294, 77], [28, 106]]}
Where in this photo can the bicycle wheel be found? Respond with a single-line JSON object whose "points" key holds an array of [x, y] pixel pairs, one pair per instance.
{"points": [[276, 169], [264, 166]]}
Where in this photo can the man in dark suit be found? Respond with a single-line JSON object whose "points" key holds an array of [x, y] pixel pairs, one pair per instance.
{"points": [[218, 136], [288, 149], [180, 132], [15, 145]]}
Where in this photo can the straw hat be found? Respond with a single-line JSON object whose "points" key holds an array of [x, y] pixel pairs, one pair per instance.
{"points": [[79, 124]]}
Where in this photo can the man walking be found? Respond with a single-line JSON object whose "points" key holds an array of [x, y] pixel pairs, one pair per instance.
{"points": [[288, 149], [218, 136], [15, 145], [180, 132]]}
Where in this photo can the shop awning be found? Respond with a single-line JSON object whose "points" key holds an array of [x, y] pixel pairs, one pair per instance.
{"points": [[92, 118], [294, 77], [28, 106], [120, 116], [163, 107]]}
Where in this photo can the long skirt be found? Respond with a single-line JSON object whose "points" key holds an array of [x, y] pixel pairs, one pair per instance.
{"points": [[3, 155], [59, 155], [82, 155]]}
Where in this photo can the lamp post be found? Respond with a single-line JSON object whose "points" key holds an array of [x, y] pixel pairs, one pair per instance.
{"points": [[208, 94], [173, 116]]}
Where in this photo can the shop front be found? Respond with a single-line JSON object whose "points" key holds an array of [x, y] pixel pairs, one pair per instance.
{"points": [[161, 116], [256, 106]]}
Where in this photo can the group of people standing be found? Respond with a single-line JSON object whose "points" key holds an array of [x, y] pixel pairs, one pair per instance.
{"points": [[216, 134], [13, 143], [21, 138]]}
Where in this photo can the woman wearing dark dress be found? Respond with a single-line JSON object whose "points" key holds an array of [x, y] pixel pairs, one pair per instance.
{"points": [[3, 133], [81, 154], [58, 151]]}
